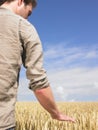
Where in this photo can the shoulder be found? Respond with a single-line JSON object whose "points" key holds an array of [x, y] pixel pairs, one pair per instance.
{"points": [[27, 31], [27, 27], [25, 23]]}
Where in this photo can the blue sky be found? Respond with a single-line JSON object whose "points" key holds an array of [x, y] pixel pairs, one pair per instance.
{"points": [[68, 30]]}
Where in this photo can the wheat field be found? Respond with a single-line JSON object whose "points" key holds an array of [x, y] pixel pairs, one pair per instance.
{"points": [[31, 116]]}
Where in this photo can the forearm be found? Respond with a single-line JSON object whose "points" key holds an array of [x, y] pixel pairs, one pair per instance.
{"points": [[46, 99]]}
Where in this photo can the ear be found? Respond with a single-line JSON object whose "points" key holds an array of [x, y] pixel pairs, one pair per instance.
{"points": [[20, 2]]}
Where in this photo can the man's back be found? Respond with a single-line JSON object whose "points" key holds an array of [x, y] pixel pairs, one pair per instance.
{"points": [[10, 61]]}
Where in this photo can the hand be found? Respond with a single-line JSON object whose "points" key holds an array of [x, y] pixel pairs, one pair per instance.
{"points": [[62, 117]]}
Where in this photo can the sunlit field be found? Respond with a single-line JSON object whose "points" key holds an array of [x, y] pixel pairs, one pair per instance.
{"points": [[31, 116]]}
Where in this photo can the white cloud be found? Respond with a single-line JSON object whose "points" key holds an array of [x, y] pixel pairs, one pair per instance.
{"points": [[71, 72], [91, 54], [77, 82], [96, 84], [60, 51], [68, 85], [64, 56]]}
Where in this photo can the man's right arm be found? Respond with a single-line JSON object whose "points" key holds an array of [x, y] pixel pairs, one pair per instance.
{"points": [[46, 99]]}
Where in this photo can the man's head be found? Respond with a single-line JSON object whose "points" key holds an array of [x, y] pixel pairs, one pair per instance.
{"points": [[21, 7]]}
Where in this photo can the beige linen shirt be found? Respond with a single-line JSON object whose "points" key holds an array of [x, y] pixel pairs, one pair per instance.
{"points": [[19, 43]]}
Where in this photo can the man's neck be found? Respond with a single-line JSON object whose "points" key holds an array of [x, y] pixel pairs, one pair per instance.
{"points": [[10, 6]]}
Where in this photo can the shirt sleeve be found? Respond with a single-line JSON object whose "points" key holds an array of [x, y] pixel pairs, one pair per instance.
{"points": [[32, 56]]}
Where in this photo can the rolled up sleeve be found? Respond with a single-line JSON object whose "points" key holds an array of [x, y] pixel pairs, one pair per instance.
{"points": [[32, 56]]}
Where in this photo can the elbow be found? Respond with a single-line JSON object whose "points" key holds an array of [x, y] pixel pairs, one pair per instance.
{"points": [[38, 91], [41, 90]]}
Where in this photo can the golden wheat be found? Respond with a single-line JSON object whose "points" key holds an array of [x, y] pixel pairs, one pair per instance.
{"points": [[31, 116]]}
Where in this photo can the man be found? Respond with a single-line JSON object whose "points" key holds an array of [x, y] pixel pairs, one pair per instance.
{"points": [[20, 43]]}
